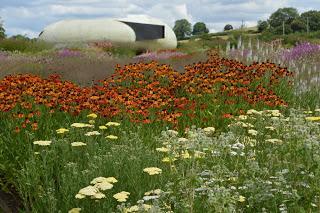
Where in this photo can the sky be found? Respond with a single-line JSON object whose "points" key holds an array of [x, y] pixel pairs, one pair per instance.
{"points": [[29, 17]]}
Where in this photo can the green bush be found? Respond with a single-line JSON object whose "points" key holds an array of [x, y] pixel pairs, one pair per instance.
{"points": [[22, 45]]}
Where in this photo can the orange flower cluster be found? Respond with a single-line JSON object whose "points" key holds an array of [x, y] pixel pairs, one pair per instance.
{"points": [[145, 91]]}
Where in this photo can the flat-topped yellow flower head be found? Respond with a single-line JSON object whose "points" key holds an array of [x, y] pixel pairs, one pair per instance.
{"points": [[152, 170]]}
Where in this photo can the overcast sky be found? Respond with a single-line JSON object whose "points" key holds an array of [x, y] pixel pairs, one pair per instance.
{"points": [[31, 16]]}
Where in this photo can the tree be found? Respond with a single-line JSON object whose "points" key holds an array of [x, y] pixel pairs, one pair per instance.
{"points": [[200, 28], [2, 30], [182, 28], [228, 27], [313, 17], [286, 15], [298, 25], [279, 30], [262, 26]]}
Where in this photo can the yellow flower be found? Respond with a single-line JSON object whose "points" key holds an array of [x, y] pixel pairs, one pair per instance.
{"points": [[92, 133], [78, 144], [98, 195], [81, 125], [242, 199], [307, 112], [36, 153], [112, 137], [74, 210], [103, 186], [198, 154], [153, 192], [62, 130], [103, 127], [163, 149], [112, 124], [42, 143], [253, 132], [92, 115], [253, 111], [168, 160], [274, 140], [270, 128], [152, 170], [134, 208], [243, 117], [80, 196], [121, 196], [185, 155], [91, 121], [313, 118], [209, 130], [88, 191], [104, 179], [182, 140]]}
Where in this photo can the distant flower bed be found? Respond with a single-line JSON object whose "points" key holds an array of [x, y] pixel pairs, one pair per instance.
{"points": [[68, 53], [300, 50], [161, 54]]}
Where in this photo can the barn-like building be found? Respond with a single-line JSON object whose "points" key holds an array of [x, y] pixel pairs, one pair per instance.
{"points": [[146, 33]]}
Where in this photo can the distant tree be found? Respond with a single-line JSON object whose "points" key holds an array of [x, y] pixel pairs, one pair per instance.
{"points": [[262, 26], [279, 30], [200, 28], [182, 28], [298, 25], [2, 30], [228, 27], [20, 37], [313, 17], [286, 15]]}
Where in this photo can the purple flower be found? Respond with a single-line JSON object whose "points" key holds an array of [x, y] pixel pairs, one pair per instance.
{"points": [[160, 55], [301, 50], [68, 53]]}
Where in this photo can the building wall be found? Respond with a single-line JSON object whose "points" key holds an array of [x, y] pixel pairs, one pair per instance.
{"points": [[71, 31]]}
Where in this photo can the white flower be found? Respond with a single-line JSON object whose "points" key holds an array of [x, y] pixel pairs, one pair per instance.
{"points": [[252, 132], [243, 117], [209, 130], [42, 143], [274, 140], [270, 128], [92, 133], [253, 111], [182, 140], [172, 133], [238, 146], [78, 144]]}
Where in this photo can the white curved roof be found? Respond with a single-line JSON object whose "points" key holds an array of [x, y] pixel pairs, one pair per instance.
{"points": [[114, 30]]}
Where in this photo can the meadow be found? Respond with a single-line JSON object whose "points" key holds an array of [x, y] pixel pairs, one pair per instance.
{"points": [[232, 129]]}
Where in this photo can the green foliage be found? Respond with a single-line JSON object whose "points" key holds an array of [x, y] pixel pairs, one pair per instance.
{"points": [[182, 28], [228, 27], [279, 30], [2, 31], [262, 26], [200, 28], [287, 14], [298, 25], [314, 19], [23, 45]]}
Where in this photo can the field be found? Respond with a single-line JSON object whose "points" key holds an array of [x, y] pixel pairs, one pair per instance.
{"points": [[229, 129]]}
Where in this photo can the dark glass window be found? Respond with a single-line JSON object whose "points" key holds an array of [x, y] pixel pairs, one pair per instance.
{"points": [[146, 31]]}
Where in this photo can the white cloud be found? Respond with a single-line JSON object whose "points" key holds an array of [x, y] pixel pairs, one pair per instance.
{"points": [[34, 15]]}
